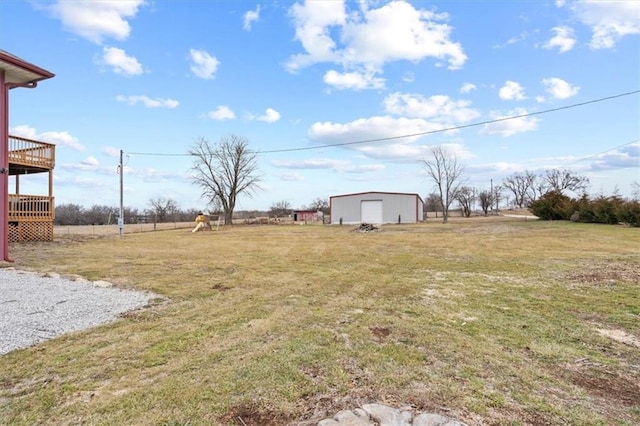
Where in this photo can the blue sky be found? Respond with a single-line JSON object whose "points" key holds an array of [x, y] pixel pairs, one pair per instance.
{"points": [[152, 77]]}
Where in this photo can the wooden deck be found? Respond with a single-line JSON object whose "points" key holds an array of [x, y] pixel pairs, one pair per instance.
{"points": [[29, 156], [30, 216]]}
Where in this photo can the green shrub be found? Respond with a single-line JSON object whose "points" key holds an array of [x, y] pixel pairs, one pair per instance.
{"points": [[605, 209], [629, 213], [554, 206]]}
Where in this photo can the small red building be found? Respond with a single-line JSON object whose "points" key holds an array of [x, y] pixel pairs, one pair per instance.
{"points": [[307, 216]]}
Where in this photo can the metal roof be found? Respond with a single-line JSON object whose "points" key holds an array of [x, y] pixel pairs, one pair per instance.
{"points": [[20, 72]]}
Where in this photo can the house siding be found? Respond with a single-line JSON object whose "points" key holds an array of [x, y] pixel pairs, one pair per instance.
{"points": [[396, 207]]}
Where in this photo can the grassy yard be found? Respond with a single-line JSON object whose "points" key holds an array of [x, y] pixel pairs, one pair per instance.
{"points": [[490, 321]]}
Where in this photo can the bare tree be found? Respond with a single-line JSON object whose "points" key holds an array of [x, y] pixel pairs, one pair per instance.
{"points": [[466, 197], [486, 201], [432, 203], [163, 209], [562, 180], [539, 187], [70, 214], [281, 208], [224, 171], [521, 185], [635, 190], [445, 171], [320, 204]]}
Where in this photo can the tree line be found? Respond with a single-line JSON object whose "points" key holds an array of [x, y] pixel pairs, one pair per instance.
{"points": [[163, 210], [547, 193], [228, 169]]}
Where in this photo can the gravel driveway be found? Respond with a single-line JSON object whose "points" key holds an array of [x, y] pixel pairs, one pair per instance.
{"points": [[36, 307]]}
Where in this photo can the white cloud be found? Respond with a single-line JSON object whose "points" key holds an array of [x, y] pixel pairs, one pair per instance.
{"points": [[313, 163], [353, 80], [120, 63], [24, 131], [439, 108], [340, 166], [564, 39], [148, 102], [411, 152], [313, 20], [97, 20], [368, 38], [57, 138], [512, 91], [90, 161], [408, 77], [111, 151], [270, 116], [609, 21], [510, 126], [513, 40], [291, 177], [380, 137], [621, 158], [203, 65], [559, 88], [467, 88], [250, 17], [372, 128], [222, 112]]}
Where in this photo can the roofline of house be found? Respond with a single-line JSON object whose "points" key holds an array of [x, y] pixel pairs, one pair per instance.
{"points": [[21, 63]]}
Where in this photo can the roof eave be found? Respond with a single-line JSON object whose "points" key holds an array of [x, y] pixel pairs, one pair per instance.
{"points": [[20, 72]]}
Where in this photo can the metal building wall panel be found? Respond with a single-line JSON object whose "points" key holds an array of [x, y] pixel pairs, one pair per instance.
{"points": [[396, 207]]}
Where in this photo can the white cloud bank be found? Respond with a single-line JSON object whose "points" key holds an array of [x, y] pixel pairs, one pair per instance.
{"points": [[362, 41], [97, 20], [58, 138], [609, 21], [148, 102]]}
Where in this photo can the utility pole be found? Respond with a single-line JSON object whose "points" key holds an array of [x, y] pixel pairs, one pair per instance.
{"points": [[121, 215], [491, 196]]}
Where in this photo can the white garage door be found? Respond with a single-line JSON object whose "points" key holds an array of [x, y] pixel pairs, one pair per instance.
{"points": [[371, 211]]}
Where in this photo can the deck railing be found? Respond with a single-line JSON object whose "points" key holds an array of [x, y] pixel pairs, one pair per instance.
{"points": [[30, 208], [27, 152]]}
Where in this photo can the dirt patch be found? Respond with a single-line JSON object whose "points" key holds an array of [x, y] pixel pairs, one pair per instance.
{"points": [[251, 414], [620, 336], [220, 287], [606, 273], [380, 333], [615, 389], [615, 394]]}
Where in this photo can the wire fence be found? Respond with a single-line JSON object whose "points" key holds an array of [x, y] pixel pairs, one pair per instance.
{"points": [[115, 230]]}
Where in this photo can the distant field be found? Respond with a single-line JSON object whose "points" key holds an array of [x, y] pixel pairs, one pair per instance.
{"points": [[114, 230], [492, 321]]}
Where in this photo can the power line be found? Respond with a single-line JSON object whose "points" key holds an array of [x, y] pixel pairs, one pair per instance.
{"points": [[599, 153], [430, 132], [448, 129]]}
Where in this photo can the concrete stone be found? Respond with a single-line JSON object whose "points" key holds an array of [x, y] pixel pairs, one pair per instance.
{"points": [[383, 415], [388, 416], [430, 419]]}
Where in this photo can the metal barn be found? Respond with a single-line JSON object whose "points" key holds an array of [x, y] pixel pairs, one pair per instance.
{"points": [[376, 208]]}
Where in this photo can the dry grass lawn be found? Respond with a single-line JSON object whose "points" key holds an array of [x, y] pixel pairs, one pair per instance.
{"points": [[490, 321]]}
